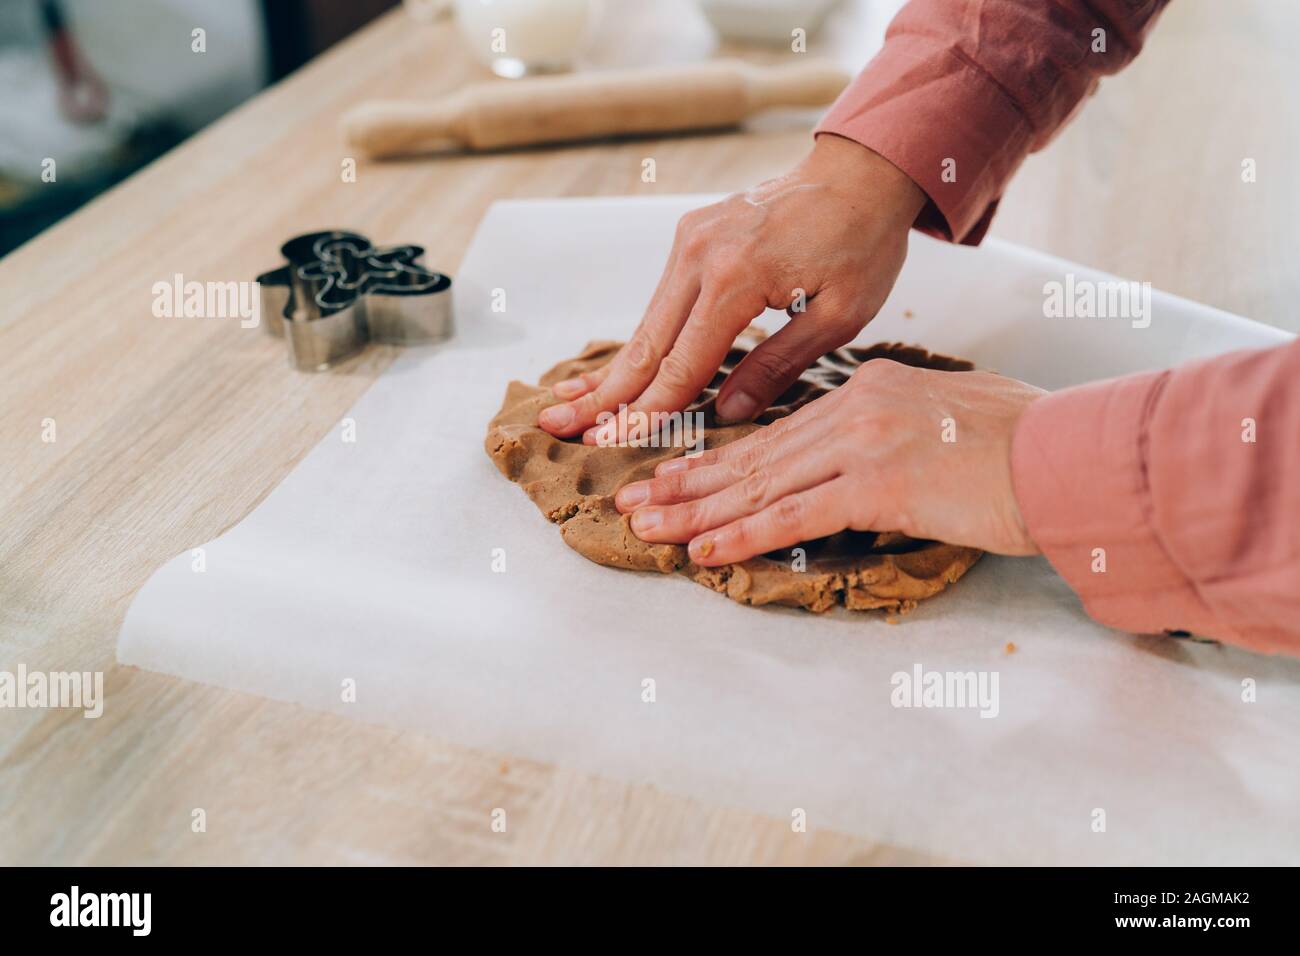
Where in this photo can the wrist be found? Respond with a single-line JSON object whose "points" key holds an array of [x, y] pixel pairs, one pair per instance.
{"points": [[1024, 544], [864, 172]]}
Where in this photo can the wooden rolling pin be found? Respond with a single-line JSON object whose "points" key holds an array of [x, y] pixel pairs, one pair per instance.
{"points": [[552, 109]]}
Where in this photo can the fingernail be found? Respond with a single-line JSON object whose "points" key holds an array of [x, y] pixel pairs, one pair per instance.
{"points": [[672, 465], [632, 495], [569, 387], [737, 407], [646, 519], [699, 548], [557, 416]]}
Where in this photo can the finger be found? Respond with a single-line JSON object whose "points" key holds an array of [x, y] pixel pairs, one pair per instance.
{"points": [[772, 367], [803, 516], [815, 411], [719, 315], [624, 425], [702, 345], [686, 484], [787, 475], [579, 385], [634, 367]]}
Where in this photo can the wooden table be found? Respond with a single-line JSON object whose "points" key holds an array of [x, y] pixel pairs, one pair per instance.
{"points": [[169, 431]]}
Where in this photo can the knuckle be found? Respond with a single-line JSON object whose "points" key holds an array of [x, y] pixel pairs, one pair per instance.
{"points": [[728, 270], [589, 404], [877, 368], [692, 218], [754, 488], [868, 429], [893, 515], [674, 372], [890, 371], [844, 323], [670, 487], [743, 534], [594, 402], [637, 353], [770, 367], [748, 462], [683, 516], [695, 242], [788, 513]]}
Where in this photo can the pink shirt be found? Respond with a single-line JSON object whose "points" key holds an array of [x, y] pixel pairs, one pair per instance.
{"points": [[1168, 500]]}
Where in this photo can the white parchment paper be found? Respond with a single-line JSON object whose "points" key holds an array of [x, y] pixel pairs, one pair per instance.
{"points": [[373, 561]]}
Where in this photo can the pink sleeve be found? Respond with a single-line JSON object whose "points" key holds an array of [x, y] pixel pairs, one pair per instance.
{"points": [[965, 89], [1171, 500]]}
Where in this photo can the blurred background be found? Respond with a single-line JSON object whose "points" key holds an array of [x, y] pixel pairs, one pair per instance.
{"points": [[1147, 175], [108, 85]]}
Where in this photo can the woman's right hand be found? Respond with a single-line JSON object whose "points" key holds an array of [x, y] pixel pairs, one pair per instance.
{"points": [[830, 236]]}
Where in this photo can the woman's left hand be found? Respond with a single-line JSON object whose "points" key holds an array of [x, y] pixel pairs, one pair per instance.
{"points": [[895, 448]]}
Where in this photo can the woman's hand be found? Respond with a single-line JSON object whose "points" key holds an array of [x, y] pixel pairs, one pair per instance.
{"points": [[830, 237], [895, 448]]}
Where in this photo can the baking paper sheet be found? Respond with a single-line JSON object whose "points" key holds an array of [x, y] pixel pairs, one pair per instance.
{"points": [[373, 562]]}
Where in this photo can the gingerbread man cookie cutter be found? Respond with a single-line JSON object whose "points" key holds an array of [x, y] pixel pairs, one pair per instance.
{"points": [[338, 292]]}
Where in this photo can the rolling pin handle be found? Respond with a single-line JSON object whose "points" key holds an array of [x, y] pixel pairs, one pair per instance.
{"points": [[380, 128], [812, 83]]}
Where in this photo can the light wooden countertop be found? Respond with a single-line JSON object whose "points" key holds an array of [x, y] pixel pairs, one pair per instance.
{"points": [[169, 431]]}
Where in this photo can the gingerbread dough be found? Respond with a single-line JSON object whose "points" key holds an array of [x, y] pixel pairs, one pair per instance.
{"points": [[574, 484]]}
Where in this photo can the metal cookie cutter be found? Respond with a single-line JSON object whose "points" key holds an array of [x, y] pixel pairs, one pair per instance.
{"points": [[339, 292]]}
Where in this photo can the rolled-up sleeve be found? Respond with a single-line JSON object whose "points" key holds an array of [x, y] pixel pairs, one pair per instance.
{"points": [[964, 90], [1171, 500]]}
